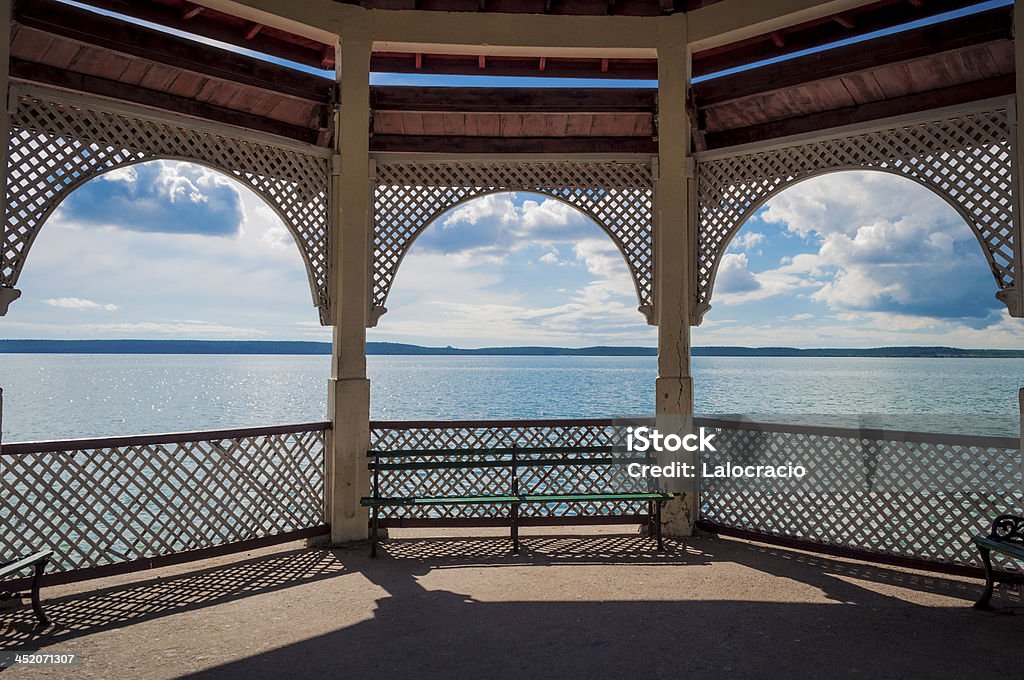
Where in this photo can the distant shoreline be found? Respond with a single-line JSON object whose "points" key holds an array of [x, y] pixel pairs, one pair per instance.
{"points": [[399, 349]]}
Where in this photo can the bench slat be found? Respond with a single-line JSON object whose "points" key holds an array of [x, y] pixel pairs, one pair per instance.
{"points": [[23, 562], [1011, 549], [453, 500], [579, 497], [393, 453], [515, 500], [474, 465]]}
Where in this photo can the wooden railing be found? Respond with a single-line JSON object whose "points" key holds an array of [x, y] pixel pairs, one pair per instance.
{"points": [[118, 504], [102, 504]]}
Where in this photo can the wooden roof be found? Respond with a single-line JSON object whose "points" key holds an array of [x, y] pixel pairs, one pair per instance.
{"points": [[186, 16], [948, 63]]}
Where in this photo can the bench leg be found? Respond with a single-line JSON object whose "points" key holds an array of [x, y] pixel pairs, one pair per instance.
{"points": [[374, 522], [37, 606], [983, 602], [657, 526], [515, 529]]}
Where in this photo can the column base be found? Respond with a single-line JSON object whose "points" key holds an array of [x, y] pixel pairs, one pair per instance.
{"points": [[349, 478], [679, 515]]}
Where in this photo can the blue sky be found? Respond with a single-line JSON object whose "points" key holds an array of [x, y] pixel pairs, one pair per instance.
{"points": [[173, 250]]}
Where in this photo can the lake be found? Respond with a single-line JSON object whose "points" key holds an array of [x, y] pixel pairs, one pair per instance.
{"points": [[53, 396]]}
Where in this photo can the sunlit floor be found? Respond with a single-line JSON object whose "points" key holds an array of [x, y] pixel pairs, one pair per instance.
{"points": [[578, 603]]}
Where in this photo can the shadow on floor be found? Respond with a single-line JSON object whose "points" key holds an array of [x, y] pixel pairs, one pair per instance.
{"points": [[860, 632], [124, 605], [863, 629]]}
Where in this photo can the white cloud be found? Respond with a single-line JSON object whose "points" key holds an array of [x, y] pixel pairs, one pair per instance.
{"points": [[79, 303], [747, 241], [880, 243], [251, 283], [550, 257]]}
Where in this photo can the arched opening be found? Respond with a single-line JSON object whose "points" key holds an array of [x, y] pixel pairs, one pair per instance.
{"points": [[851, 261], [161, 251], [126, 171], [512, 269]]}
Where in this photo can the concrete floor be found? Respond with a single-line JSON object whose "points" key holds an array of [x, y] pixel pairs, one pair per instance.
{"points": [[578, 603]]}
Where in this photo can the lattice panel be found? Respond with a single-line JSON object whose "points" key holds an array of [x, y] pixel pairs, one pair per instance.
{"points": [[966, 159], [581, 478], [102, 505], [912, 499], [57, 146], [410, 195]]}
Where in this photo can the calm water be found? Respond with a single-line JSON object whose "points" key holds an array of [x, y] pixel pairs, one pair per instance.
{"points": [[62, 396]]}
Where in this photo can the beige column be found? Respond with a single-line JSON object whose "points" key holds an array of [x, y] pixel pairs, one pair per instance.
{"points": [[7, 295], [673, 261], [349, 397], [1015, 303]]}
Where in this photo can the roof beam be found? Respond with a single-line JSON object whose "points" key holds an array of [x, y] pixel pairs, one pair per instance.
{"points": [[514, 34], [877, 16], [950, 96], [542, 66], [209, 26], [489, 145], [732, 20], [971, 30], [120, 36], [111, 89], [513, 100]]}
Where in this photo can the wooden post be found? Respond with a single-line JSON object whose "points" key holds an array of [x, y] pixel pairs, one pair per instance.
{"points": [[349, 397], [1016, 304], [7, 295], [673, 245]]}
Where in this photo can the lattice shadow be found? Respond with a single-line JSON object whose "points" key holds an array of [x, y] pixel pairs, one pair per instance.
{"points": [[495, 551], [830, 573], [133, 603]]}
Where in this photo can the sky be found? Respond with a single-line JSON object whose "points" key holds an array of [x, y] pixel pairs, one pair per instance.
{"points": [[172, 250], [167, 249]]}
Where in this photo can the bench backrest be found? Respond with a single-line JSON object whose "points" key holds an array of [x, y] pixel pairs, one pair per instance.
{"points": [[519, 461], [20, 563]]}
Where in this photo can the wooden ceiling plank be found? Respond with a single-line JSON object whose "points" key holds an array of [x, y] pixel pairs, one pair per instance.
{"points": [[157, 99], [498, 145], [549, 100], [121, 37], [897, 106], [989, 26], [869, 18], [212, 25]]}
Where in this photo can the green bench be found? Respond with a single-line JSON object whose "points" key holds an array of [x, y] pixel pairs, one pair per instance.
{"points": [[510, 496], [38, 562], [1006, 537]]}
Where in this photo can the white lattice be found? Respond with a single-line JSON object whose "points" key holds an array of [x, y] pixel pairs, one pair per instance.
{"points": [[121, 499], [411, 194], [905, 494], [965, 159], [56, 145]]}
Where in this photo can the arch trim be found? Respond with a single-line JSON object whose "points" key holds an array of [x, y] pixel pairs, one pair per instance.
{"points": [[58, 142], [412, 195], [966, 160]]}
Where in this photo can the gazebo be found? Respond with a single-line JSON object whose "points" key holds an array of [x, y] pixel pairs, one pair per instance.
{"points": [[734, 102]]}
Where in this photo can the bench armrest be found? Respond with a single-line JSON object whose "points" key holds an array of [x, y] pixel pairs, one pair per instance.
{"points": [[1008, 528]]}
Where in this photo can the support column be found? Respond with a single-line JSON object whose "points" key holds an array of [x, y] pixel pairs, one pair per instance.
{"points": [[1016, 304], [674, 255], [7, 295], [349, 396]]}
